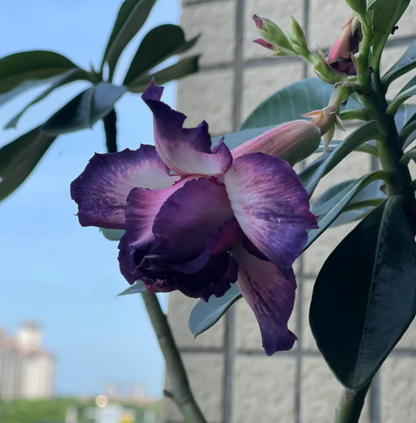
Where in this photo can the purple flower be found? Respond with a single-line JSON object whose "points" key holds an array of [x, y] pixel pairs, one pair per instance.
{"points": [[197, 219]]}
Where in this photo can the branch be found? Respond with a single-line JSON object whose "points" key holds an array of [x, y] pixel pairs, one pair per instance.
{"points": [[181, 392], [350, 406], [110, 129]]}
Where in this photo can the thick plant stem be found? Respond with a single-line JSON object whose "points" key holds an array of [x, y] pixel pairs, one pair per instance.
{"points": [[350, 406], [180, 391], [110, 128], [390, 152]]}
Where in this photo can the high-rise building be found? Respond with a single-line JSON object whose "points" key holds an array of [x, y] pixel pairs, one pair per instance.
{"points": [[26, 369]]}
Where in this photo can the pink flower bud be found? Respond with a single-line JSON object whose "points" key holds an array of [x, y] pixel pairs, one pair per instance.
{"points": [[340, 55], [292, 141], [264, 43], [259, 22]]}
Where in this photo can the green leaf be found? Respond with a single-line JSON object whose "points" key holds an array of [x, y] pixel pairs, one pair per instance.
{"points": [[112, 234], [365, 295], [405, 125], [306, 174], [206, 314], [365, 132], [22, 71], [158, 45], [85, 109], [376, 3], [331, 204], [180, 69], [385, 18], [74, 74], [138, 287], [404, 94], [291, 102], [131, 17], [411, 153], [20, 157], [405, 64]]}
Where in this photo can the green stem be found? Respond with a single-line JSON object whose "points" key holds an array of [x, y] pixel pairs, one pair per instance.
{"points": [[180, 391], [350, 406]]}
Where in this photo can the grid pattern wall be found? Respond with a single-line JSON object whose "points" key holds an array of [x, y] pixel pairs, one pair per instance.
{"points": [[233, 380]]}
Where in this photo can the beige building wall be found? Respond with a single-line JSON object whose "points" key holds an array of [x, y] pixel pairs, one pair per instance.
{"points": [[234, 381], [37, 375]]}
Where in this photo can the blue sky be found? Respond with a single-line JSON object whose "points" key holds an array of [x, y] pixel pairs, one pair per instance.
{"points": [[52, 270]]}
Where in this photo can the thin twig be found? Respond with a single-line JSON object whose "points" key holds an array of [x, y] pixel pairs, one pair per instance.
{"points": [[110, 128], [180, 392]]}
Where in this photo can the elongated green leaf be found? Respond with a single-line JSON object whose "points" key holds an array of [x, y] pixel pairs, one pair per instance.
{"points": [[330, 209], [158, 45], [131, 17], [365, 295], [405, 120], [85, 109], [385, 18], [411, 153], [308, 172], [364, 133], [137, 288], [112, 234], [376, 3], [405, 93], [405, 64], [20, 157], [22, 71], [291, 102], [180, 69], [206, 314], [74, 74]]}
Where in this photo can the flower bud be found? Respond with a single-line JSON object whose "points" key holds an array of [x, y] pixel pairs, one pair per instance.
{"points": [[340, 55], [297, 36], [292, 141], [326, 120], [273, 35], [264, 43]]}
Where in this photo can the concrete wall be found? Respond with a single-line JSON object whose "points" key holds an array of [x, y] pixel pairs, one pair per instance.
{"points": [[233, 379]]}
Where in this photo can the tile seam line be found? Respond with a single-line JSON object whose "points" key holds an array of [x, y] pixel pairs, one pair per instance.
{"points": [[229, 340]]}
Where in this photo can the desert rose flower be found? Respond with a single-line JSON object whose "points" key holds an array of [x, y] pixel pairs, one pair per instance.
{"points": [[197, 219]]}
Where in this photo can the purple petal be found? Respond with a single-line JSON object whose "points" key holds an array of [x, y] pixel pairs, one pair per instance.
{"points": [[185, 151], [141, 209], [228, 236], [127, 267], [213, 279], [188, 218], [131, 272], [270, 295], [101, 190], [271, 206]]}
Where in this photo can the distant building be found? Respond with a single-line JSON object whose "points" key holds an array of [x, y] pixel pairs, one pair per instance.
{"points": [[137, 391], [26, 370], [112, 390]]}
